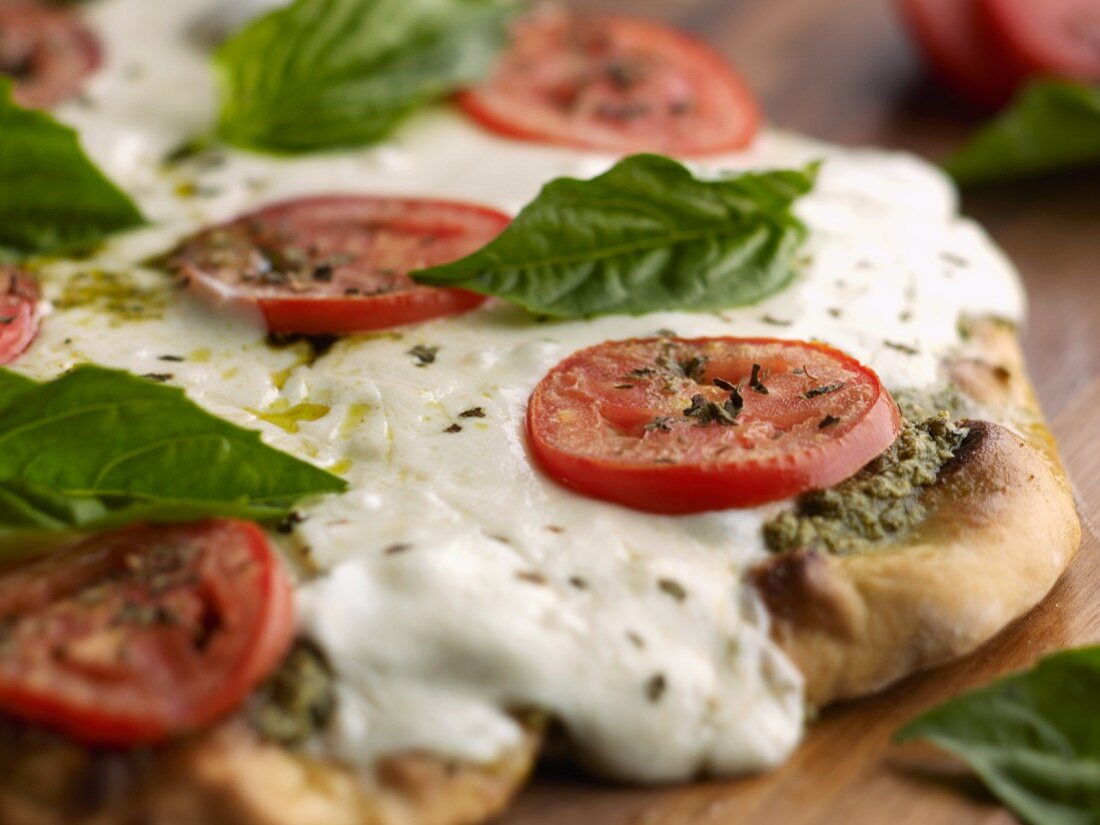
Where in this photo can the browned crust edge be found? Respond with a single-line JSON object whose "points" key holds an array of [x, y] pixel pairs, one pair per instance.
{"points": [[226, 776], [1003, 529]]}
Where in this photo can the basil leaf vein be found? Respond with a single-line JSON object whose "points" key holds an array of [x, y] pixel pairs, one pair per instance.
{"points": [[1033, 737], [326, 73], [647, 235], [1052, 125], [53, 199], [98, 448]]}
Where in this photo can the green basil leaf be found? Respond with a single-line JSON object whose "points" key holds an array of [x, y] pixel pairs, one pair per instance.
{"points": [[1033, 738], [52, 197], [326, 73], [1052, 125], [647, 235], [98, 448], [13, 386]]}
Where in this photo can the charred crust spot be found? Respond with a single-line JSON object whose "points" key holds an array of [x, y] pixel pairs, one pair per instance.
{"points": [[989, 467], [990, 460], [971, 449], [783, 580], [797, 589]]}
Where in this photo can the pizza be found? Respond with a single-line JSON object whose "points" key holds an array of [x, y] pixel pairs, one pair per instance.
{"points": [[656, 541]]}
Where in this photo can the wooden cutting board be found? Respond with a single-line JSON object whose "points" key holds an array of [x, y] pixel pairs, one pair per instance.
{"points": [[843, 70]]}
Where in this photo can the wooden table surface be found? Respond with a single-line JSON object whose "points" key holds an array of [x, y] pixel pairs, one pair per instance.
{"points": [[843, 70]]}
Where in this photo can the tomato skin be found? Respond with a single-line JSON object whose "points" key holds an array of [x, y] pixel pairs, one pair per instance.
{"points": [[962, 49], [375, 241], [77, 660], [986, 49], [699, 484], [727, 119], [48, 50], [19, 311], [686, 490], [318, 316], [1048, 37]]}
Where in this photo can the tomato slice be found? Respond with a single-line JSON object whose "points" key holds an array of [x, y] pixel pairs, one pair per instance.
{"points": [[672, 425], [1057, 37], [339, 264], [143, 633], [614, 83], [962, 49], [47, 52], [18, 313]]}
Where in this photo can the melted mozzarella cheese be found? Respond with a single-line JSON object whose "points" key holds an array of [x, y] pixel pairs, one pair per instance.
{"points": [[454, 584]]}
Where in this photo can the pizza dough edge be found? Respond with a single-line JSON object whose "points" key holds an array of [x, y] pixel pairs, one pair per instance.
{"points": [[1002, 529], [228, 776]]}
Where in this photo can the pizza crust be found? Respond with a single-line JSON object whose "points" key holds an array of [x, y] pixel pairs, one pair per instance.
{"points": [[1002, 521], [1002, 528], [227, 776]]}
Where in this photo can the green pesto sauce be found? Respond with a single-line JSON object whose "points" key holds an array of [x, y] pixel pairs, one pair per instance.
{"points": [[297, 701], [882, 501]]}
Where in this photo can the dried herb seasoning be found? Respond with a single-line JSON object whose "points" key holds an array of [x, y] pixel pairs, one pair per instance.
{"points": [[755, 380], [824, 389], [423, 354]]}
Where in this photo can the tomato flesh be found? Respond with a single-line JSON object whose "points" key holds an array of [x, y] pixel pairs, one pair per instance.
{"points": [[143, 633], [614, 83], [1055, 37], [18, 313], [339, 264], [46, 51], [675, 426], [962, 49]]}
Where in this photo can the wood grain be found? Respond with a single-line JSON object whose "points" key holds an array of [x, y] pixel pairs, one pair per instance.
{"points": [[843, 70]]}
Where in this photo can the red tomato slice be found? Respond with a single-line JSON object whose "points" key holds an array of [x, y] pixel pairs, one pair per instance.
{"points": [[143, 633], [671, 425], [1057, 37], [962, 50], [47, 51], [613, 83], [18, 313], [340, 264]]}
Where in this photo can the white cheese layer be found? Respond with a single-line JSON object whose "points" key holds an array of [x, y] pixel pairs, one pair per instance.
{"points": [[453, 583]]}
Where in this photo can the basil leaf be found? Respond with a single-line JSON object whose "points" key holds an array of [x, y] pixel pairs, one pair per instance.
{"points": [[1033, 738], [52, 197], [1052, 125], [12, 386], [325, 73], [98, 448], [645, 236]]}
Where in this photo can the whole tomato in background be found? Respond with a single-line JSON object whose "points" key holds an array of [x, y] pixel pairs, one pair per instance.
{"points": [[986, 49]]}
